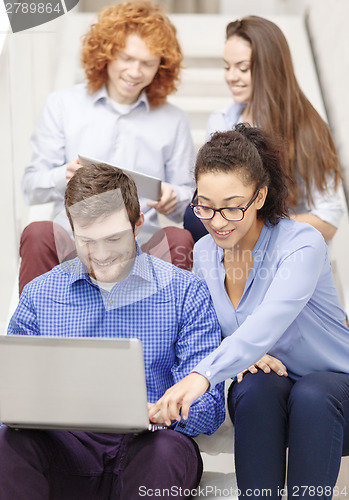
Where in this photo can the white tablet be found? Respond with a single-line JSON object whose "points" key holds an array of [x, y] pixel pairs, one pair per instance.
{"points": [[147, 186]]}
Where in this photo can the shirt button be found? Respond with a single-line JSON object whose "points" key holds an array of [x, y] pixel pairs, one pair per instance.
{"points": [[208, 373], [111, 302]]}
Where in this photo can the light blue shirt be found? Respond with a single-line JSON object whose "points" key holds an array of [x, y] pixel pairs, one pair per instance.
{"points": [[289, 307], [156, 141], [326, 205]]}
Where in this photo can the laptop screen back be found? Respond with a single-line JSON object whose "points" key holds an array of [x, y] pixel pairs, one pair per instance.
{"points": [[73, 383]]}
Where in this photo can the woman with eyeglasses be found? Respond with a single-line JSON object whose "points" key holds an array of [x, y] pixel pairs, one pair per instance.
{"points": [[259, 72], [271, 283]]}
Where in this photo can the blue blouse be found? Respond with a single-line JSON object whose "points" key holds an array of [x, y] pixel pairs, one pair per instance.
{"points": [[289, 307]]}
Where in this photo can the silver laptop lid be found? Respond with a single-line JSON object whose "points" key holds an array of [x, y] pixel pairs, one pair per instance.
{"points": [[94, 384]]}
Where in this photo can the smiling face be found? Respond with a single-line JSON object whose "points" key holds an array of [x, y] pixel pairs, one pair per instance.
{"points": [[237, 68], [218, 190], [132, 70], [106, 246]]}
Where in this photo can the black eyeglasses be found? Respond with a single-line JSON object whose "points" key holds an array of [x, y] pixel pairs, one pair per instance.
{"points": [[228, 213]]}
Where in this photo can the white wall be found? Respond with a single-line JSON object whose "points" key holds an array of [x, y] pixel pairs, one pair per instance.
{"points": [[263, 7], [8, 238], [27, 65]]}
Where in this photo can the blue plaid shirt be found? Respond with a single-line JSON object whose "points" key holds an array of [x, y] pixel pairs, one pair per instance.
{"points": [[168, 309]]}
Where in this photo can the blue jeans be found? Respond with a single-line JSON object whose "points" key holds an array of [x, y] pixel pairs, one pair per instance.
{"points": [[309, 416]]}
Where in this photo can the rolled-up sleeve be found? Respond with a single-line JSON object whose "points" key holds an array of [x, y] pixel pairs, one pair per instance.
{"points": [[328, 204]]}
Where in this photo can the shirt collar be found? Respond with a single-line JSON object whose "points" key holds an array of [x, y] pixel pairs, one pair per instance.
{"points": [[143, 99], [142, 268], [233, 114], [102, 95], [76, 270]]}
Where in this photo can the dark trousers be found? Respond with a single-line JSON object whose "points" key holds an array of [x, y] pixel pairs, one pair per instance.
{"points": [[62, 465], [309, 416], [44, 245], [193, 224]]}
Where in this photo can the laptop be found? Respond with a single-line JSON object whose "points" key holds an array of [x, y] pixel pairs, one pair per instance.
{"points": [[147, 186], [87, 384]]}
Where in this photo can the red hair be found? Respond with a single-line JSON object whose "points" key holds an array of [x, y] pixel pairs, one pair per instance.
{"points": [[106, 37]]}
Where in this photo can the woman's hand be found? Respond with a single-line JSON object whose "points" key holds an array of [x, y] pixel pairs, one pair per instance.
{"points": [[267, 364], [180, 396]]}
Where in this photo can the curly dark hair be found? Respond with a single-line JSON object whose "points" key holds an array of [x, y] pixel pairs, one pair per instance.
{"points": [[256, 157]]}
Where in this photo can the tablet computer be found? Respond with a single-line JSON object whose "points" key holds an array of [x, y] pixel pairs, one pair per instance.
{"points": [[147, 186]]}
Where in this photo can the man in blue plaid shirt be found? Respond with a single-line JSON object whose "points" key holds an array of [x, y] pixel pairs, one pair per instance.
{"points": [[112, 289]]}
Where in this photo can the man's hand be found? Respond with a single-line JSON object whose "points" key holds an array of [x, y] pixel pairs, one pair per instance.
{"points": [[167, 202], [71, 168], [180, 395], [267, 363]]}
